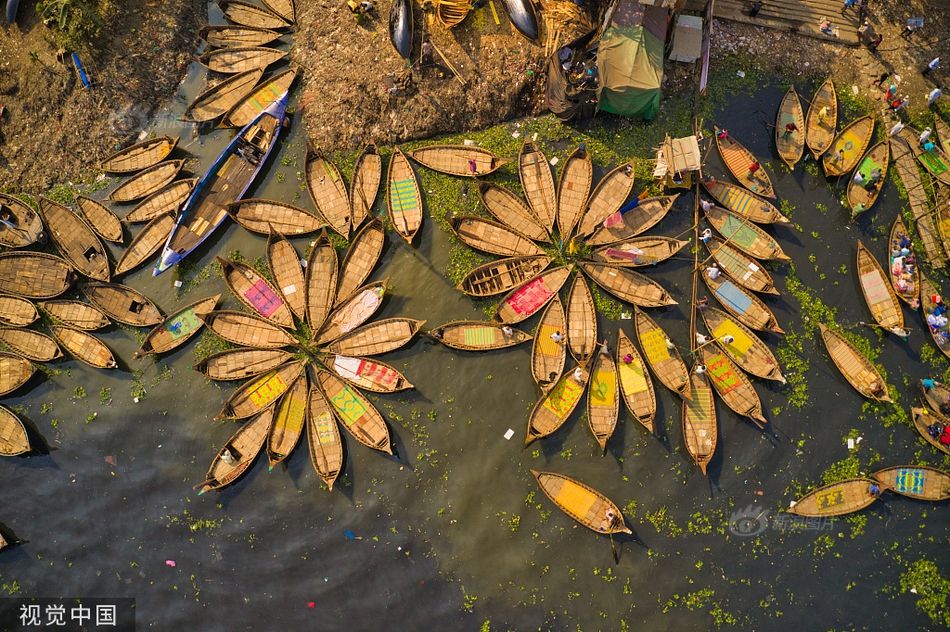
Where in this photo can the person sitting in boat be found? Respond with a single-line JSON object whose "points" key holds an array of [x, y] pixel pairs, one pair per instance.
{"points": [[874, 489], [790, 128], [940, 309], [557, 337], [579, 375], [877, 389], [728, 339], [706, 235], [670, 345], [936, 322], [610, 518], [713, 271], [723, 134], [628, 358], [228, 457], [701, 339], [706, 205], [700, 369], [945, 436], [935, 430], [823, 114], [508, 331]]}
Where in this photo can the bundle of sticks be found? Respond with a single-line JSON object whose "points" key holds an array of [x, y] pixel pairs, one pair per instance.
{"points": [[564, 21]]}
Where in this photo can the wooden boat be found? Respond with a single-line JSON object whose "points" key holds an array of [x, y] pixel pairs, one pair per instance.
{"points": [[323, 437], [943, 134], [353, 312], [935, 162], [34, 274], [451, 13], [573, 187], [557, 404], [240, 364], [404, 199], [140, 155], [167, 200], [524, 17], [743, 203], [286, 9], [240, 58], [507, 208], [581, 321], [665, 362], [877, 158], [492, 237], [500, 276], [222, 96], [284, 264], [537, 182], [123, 304], [603, 398], [910, 295], [367, 176], [360, 259], [837, 499], [924, 418], [547, 354], [937, 398], [790, 146], [242, 449], [639, 251], [261, 216], [21, 226], [878, 293], [257, 293], [247, 14], [747, 307], [321, 277], [627, 285], [259, 99], [328, 192], [261, 392], [76, 314], [147, 182], [14, 440], [475, 335], [851, 141], [290, 417], [377, 338], [30, 344], [928, 289], [401, 27], [247, 330], [582, 503], [744, 235], [75, 240], [15, 371], [145, 244], [856, 369], [100, 219], [607, 198], [746, 349], [528, 298], [820, 133], [225, 36], [636, 387], [738, 159], [733, 387], [226, 180], [915, 481], [370, 375], [16, 311], [84, 347], [357, 415], [741, 268], [641, 219], [700, 431], [178, 328], [458, 160]]}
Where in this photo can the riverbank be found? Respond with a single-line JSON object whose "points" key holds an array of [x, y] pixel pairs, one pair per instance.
{"points": [[56, 131]]}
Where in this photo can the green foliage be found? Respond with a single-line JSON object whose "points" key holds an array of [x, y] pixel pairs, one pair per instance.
{"points": [[932, 588], [77, 24]]}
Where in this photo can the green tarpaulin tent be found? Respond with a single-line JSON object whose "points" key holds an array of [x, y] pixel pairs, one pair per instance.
{"points": [[630, 64]]}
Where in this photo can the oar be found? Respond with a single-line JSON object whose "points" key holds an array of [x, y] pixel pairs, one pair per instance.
{"points": [[613, 547]]}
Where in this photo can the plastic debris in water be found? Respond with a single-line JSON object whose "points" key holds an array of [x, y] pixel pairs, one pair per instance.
{"points": [[509, 434], [349, 535], [170, 563]]}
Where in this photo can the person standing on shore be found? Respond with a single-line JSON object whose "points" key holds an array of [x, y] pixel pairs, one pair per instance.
{"points": [[933, 96], [933, 65], [755, 8]]}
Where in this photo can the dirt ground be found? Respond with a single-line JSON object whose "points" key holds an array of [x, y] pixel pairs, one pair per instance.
{"points": [[54, 130]]}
